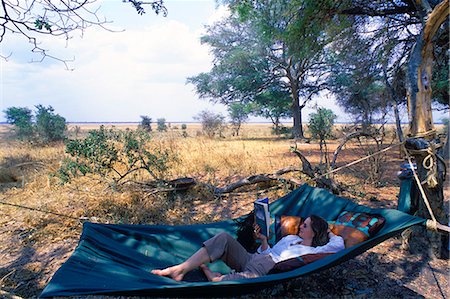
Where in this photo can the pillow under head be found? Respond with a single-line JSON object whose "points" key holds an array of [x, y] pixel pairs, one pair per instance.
{"points": [[356, 227], [286, 225]]}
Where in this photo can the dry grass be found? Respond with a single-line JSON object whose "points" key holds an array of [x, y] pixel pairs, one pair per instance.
{"points": [[34, 244]]}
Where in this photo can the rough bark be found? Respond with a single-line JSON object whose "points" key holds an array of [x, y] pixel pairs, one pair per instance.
{"points": [[294, 84], [422, 128], [435, 196]]}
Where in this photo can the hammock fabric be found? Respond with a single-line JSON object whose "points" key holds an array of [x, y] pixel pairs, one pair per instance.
{"points": [[408, 192], [117, 259]]}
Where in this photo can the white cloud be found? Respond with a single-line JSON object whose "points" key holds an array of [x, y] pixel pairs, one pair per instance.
{"points": [[220, 13], [117, 76]]}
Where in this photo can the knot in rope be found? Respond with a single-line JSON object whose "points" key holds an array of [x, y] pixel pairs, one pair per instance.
{"points": [[432, 225], [429, 163]]}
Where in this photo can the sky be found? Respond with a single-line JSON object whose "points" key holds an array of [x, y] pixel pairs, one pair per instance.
{"points": [[140, 69]]}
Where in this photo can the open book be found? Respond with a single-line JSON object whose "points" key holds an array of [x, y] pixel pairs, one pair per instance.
{"points": [[262, 215]]}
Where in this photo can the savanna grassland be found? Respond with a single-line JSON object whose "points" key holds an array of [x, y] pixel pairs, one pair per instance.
{"points": [[41, 219]]}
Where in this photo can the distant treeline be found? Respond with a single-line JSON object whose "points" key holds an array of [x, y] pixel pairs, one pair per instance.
{"points": [[439, 122]]}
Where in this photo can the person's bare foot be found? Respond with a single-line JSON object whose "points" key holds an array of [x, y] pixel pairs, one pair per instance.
{"points": [[174, 272], [212, 276]]}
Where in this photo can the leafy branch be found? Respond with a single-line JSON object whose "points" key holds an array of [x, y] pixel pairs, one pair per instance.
{"points": [[114, 155], [31, 19]]}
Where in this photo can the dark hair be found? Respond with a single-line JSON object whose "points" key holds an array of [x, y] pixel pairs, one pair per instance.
{"points": [[320, 229]]}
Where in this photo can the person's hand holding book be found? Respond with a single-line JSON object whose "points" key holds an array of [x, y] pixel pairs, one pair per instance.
{"points": [[260, 236]]}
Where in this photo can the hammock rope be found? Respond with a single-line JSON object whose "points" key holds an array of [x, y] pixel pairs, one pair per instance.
{"points": [[419, 184], [354, 162], [432, 224], [48, 212]]}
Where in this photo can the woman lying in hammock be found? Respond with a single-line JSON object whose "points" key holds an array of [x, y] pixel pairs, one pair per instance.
{"points": [[313, 237]]}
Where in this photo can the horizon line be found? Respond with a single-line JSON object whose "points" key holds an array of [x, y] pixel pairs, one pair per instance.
{"points": [[199, 122]]}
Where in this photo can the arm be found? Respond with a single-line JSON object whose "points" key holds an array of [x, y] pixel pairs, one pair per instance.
{"points": [[335, 244], [264, 248]]}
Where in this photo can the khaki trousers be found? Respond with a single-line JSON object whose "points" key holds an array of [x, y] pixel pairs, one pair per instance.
{"points": [[224, 247]]}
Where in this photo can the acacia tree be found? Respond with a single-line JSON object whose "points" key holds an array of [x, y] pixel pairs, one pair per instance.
{"points": [[46, 127], [32, 19], [241, 68], [212, 123], [49, 125], [253, 57]]}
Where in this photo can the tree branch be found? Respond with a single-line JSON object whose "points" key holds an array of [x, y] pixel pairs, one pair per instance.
{"points": [[363, 11], [56, 18]]}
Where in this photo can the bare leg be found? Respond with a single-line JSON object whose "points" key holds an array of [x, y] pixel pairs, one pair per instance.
{"points": [[177, 272], [212, 276]]}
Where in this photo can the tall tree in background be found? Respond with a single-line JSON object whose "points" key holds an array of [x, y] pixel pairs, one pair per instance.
{"points": [[299, 70], [252, 58]]}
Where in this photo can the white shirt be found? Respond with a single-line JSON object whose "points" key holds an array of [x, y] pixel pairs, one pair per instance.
{"points": [[288, 248]]}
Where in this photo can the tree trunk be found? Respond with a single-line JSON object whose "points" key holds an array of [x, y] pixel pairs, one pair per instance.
{"points": [[294, 85], [398, 123], [297, 115], [394, 100], [422, 128]]}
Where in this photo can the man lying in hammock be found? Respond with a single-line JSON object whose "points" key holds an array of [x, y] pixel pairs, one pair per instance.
{"points": [[313, 237]]}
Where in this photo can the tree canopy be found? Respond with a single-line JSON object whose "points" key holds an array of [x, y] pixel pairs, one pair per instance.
{"points": [[253, 58]]}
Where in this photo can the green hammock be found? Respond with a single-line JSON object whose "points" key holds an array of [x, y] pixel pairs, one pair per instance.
{"points": [[117, 259]]}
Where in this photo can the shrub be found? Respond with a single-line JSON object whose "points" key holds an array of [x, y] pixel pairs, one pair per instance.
{"points": [[321, 126], [321, 123], [212, 123], [22, 120], [184, 128], [49, 126], [161, 123], [113, 155], [238, 113], [281, 130], [146, 123]]}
